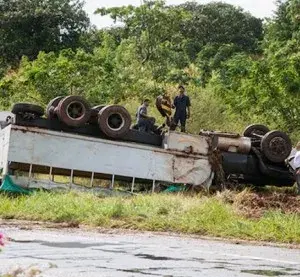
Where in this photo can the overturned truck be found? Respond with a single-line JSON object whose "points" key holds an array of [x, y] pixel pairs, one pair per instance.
{"points": [[258, 157], [72, 139]]}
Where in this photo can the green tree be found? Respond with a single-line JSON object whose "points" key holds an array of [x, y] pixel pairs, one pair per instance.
{"points": [[30, 26], [220, 23]]}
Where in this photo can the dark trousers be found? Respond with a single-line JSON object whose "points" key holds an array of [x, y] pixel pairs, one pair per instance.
{"points": [[180, 117], [145, 125]]}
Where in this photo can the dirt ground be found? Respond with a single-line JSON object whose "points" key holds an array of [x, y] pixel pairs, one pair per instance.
{"points": [[255, 204]]}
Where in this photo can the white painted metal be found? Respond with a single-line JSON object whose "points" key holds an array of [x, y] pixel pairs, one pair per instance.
{"points": [[186, 143], [51, 177], [112, 182], [92, 179], [78, 153], [153, 186], [132, 185], [30, 171], [72, 177], [3, 117], [4, 146]]}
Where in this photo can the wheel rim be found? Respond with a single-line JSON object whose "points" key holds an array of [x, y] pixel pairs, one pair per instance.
{"points": [[75, 110], [115, 121], [278, 146]]}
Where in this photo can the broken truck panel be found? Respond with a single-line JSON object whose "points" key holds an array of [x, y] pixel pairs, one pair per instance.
{"points": [[49, 149], [192, 171], [186, 143]]}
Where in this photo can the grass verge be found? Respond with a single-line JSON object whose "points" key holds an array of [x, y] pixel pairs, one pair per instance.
{"points": [[221, 215]]}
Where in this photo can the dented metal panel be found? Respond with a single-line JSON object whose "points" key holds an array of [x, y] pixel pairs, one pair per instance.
{"points": [[186, 143], [192, 171], [62, 150]]}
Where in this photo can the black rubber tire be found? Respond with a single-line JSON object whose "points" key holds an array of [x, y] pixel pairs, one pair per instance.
{"points": [[98, 108], [50, 110], [70, 105], [258, 129], [95, 112], [276, 146], [121, 117], [23, 108]]}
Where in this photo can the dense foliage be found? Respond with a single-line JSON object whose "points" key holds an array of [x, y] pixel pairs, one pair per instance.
{"points": [[29, 26], [238, 68]]}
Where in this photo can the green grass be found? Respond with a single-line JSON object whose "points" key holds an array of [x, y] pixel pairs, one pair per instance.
{"points": [[201, 215]]}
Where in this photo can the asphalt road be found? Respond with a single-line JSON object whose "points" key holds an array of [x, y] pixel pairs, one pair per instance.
{"points": [[76, 253]]}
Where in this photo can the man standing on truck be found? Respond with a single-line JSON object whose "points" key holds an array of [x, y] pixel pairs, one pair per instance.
{"points": [[182, 105], [144, 122]]}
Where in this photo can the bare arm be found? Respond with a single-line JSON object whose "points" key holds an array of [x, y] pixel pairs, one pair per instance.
{"points": [[143, 113]]}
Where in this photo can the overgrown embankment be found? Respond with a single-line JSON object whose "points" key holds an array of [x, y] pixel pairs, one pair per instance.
{"points": [[262, 217]]}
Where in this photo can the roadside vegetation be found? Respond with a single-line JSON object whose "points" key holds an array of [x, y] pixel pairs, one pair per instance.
{"points": [[263, 217], [238, 69]]}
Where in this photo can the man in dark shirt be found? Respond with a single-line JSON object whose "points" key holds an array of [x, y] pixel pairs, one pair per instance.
{"points": [[182, 105]]}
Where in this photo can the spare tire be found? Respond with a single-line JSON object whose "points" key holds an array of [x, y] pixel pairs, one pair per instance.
{"points": [[114, 121], [257, 129], [95, 112], [27, 108], [50, 110], [74, 111], [276, 146]]}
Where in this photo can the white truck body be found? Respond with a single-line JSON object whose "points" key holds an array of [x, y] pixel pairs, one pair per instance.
{"points": [[57, 150]]}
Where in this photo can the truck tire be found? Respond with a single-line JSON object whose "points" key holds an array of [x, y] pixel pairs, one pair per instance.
{"points": [[257, 129], [276, 146], [74, 111], [50, 110], [114, 121], [95, 112], [27, 108]]}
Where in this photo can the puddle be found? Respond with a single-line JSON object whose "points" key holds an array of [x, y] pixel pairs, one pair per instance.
{"points": [[265, 272], [156, 258]]}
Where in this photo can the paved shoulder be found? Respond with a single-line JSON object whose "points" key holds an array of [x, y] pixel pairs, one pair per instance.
{"points": [[60, 253]]}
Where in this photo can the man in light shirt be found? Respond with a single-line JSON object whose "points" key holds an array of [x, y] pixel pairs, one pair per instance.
{"points": [[297, 166], [145, 123]]}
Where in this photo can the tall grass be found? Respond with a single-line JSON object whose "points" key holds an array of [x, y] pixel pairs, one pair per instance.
{"points": [[178, 213]]}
